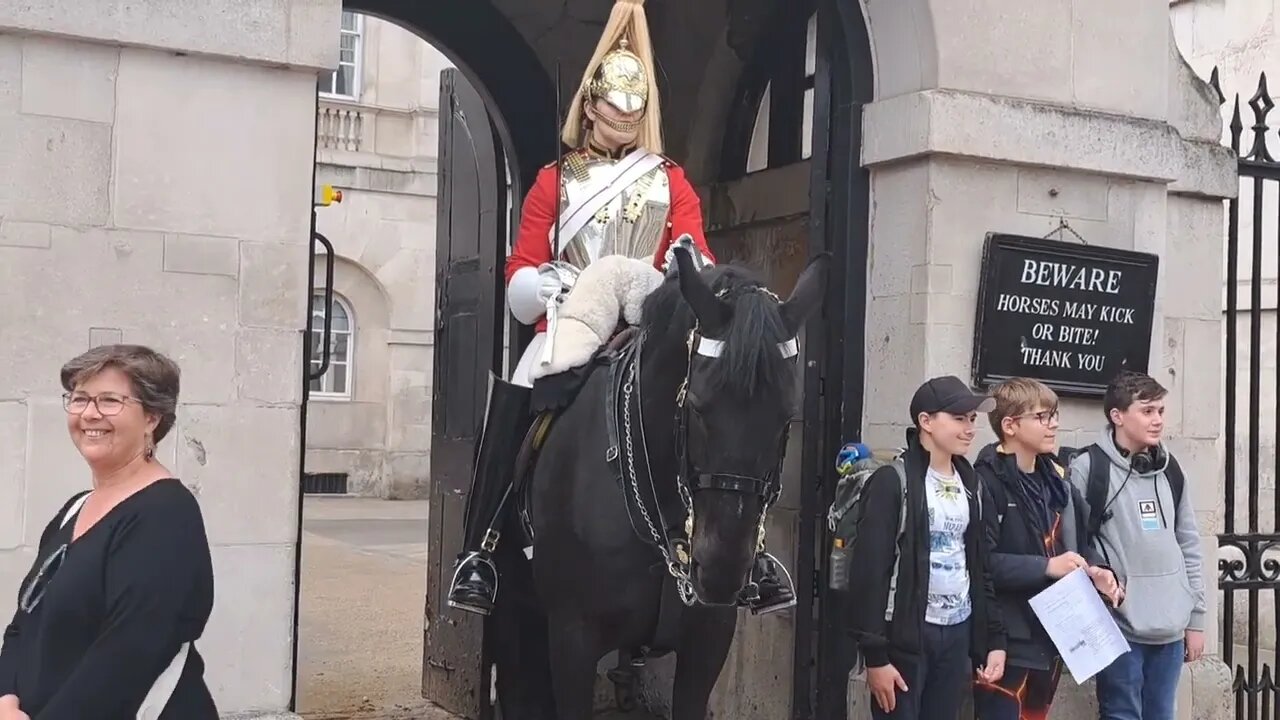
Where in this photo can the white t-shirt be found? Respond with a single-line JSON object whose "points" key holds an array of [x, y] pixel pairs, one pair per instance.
{"points": [[948, 502]]}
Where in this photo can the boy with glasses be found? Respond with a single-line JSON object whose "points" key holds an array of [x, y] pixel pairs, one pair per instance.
{"points": [[1038, 528]]}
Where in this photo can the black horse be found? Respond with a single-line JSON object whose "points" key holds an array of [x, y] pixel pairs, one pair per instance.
{"points": [[648, 497]]}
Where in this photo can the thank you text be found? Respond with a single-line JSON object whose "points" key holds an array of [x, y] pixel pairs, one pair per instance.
{"points": [[1068, 314]]}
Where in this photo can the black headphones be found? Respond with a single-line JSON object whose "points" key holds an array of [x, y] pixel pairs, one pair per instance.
{"points": [[1145, 461]]}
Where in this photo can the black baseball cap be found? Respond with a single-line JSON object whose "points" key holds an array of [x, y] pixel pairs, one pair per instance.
{"points": [[948, 394]]}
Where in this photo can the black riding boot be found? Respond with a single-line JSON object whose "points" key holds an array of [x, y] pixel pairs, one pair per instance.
{"points": [[475, 578], [767, 592]]}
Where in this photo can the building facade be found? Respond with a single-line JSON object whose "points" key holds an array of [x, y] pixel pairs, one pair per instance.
{"points": [[161, 160], [369, 421]]}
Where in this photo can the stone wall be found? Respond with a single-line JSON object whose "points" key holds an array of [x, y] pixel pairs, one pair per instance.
{"points": [[140, 205]]}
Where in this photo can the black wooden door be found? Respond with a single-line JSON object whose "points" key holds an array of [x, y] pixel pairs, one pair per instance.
{"points": [[470, 241], [840, 196]]}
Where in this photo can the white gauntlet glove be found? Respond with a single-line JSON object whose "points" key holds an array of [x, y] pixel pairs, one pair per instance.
{"points": [[549, 285], [685, 241], [555, 279], [532, 288]]}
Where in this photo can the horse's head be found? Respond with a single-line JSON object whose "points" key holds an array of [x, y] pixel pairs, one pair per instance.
{"points": [[738, 401]]}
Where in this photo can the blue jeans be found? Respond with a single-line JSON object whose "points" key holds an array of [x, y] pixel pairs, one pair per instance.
{"points": [[1142, 684]]}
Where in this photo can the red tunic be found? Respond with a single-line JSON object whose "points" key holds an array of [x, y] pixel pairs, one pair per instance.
{"points": [[533, 240]]}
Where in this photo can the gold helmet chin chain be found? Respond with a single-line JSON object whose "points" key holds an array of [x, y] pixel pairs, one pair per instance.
{"points": [[622, 126]]}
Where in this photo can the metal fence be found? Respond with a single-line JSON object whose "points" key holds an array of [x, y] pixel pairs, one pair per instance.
{"points": [[1249, 564]]}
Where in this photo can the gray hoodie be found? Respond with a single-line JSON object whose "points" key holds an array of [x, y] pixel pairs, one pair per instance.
{"points": [[1153, 548]]}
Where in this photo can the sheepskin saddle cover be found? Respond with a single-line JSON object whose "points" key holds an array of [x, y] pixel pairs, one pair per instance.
{"points": [[610, 288]]}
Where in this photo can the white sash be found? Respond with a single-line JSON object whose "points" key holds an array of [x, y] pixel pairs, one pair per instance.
{"points": [[164, 686], [619, 178]]}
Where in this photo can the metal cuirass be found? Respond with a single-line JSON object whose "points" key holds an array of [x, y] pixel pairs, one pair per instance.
{"points": [[631, 223]]}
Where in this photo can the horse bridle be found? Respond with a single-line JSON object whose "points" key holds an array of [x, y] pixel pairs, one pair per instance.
{"points": [[676, 551], [690, 478]]}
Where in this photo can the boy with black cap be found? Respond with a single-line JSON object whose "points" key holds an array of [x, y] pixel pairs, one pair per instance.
{"points": [[926, 613]]}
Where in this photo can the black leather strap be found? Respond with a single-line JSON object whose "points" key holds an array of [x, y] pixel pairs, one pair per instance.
{"points": [[730, 482]]}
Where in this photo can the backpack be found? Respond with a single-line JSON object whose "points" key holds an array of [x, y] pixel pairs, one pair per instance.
{"points": [[855, 465], [1099, 483]]}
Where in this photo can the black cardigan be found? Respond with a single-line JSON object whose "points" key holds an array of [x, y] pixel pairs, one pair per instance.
{"points": [[128, 594], [898, 641]]}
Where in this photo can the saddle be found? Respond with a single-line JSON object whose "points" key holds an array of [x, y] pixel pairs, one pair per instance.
{"points": [[554, 393], [549, 397]]}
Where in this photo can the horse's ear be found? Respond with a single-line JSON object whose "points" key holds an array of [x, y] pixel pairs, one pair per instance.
{"points": [[807, 296], [712, 313]]}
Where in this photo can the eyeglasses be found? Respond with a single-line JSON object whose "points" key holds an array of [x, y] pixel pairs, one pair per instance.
{"points": [[107, 403], [1045, 417], [34, 592]]}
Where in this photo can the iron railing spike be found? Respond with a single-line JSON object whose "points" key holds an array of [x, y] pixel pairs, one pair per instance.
{"points": [[1261, 103], [1236, 126], [1215, 82]]}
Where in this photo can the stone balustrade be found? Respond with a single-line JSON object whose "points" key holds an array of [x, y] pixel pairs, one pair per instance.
{"points": [[340, 126], [370, 135]]}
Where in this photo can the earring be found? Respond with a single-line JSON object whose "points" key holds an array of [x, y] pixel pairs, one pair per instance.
{"points": [[150, 452]]}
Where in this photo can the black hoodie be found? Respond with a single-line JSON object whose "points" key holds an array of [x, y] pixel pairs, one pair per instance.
{"points": [[898, 640], [1020, 558]]}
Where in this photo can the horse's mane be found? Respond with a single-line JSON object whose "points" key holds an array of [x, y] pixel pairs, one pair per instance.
{"points": [[750, 364]]}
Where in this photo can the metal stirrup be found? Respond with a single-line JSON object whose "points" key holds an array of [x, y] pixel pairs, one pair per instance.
{"points": [[480, 558]]}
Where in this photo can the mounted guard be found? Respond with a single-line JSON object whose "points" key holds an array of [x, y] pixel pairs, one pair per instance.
{"points": [[613, 193]]}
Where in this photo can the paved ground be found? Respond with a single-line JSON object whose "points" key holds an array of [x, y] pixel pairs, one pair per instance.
{"points": [[363, 584]]}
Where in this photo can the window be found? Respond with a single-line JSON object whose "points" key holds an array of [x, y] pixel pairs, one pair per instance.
{"points": [[345, 81], [783, 130], [810, 70], [336, 381]]}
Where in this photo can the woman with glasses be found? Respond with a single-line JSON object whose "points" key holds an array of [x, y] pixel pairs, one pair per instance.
{"points": [[122, 584]]}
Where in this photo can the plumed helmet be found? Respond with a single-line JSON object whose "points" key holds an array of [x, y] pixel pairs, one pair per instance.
{"points": [[621, 80], [621, 72]]}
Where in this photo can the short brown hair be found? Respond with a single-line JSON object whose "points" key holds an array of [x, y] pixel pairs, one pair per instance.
{"points": [[155, 378], [1129, 387], [1019, 396]]}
